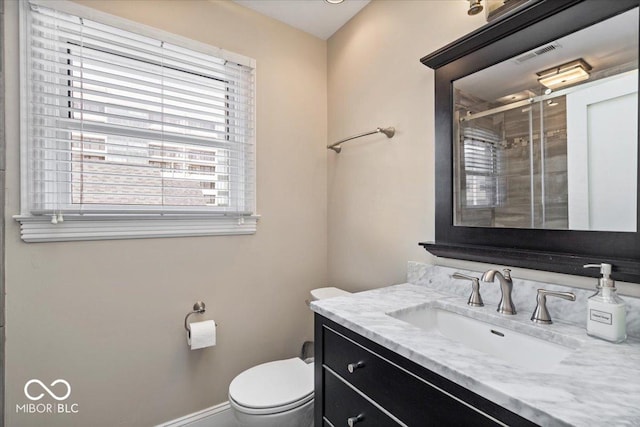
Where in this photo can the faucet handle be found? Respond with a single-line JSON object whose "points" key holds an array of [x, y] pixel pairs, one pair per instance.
{"points": [[506, 272], [541, 314], [475, 300]]}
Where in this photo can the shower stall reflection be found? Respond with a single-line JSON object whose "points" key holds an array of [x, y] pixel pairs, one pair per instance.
{"points": [[511, 164]]}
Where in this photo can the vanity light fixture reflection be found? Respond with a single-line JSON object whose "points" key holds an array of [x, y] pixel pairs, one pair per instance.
{"points": [[565, 74], [334, 1]]}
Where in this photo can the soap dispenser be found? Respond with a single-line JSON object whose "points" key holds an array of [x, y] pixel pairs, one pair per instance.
{"points": [[606, 313]]}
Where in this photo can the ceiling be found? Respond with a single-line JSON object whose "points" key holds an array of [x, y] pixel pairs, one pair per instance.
{"points": [[316, 17], [607, 45]]}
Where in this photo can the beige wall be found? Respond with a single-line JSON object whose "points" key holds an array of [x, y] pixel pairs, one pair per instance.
{"points": [[380, 191], [107, 316]]}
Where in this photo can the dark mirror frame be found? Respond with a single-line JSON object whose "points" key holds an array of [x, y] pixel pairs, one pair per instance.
{"points": [[563, 251]]}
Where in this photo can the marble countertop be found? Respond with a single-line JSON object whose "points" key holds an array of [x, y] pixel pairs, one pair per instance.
{"points": [[597, 385]]}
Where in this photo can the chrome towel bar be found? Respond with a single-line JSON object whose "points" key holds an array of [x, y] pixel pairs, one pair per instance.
{"points": [[390, 131]]}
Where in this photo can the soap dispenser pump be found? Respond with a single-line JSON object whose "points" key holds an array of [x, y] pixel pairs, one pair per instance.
{"points": [[606, 312]]}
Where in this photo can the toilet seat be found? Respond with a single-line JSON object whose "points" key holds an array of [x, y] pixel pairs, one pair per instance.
{"points": [[273, 387]]}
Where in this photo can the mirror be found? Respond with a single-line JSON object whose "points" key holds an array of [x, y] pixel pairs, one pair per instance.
{"points": [[549, 138], [518, 181]]}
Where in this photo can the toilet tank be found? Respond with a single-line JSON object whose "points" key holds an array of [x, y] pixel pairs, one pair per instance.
{"points": [[328, 292]]}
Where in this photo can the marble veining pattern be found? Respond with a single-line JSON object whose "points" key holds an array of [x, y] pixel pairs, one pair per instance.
{"points": [[598, 384], [524, 294]]}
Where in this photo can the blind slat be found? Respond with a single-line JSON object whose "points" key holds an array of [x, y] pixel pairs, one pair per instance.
{"points": [[149, 134], [155, 152], [146, 123], [44, 88], [57, 58], [83, 35], [88, 172]]}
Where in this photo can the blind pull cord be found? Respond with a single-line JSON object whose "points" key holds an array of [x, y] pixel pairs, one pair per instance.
{"points": [[162, 165]]}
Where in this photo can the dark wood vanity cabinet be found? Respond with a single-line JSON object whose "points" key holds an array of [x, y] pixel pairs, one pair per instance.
{"points": [[360, 383]]}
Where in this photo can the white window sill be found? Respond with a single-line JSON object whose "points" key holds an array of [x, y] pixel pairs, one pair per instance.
{"points": [[34, 229]]}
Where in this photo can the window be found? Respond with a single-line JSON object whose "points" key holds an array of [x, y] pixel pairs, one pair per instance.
{"points": [[481, 169], [134, 127]]}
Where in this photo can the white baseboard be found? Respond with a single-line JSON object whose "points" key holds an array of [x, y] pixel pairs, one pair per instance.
{"points": [[215, 416]]}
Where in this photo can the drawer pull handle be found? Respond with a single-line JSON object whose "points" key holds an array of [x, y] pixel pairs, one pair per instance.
{"points": [[353, 366], [353, 420]]}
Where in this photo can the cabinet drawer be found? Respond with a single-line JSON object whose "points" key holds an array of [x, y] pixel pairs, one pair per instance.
{"points": [[412, 400], [342, 403]]}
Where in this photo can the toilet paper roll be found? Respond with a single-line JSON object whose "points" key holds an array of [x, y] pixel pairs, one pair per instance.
{"points": [[203, 334]]}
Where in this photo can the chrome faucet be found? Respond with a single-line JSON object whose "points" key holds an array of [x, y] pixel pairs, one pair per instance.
{"points": [[506, 286]]}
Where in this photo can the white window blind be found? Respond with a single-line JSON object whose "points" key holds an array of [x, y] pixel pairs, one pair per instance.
{"points": [[125, 124], [481, 166]]}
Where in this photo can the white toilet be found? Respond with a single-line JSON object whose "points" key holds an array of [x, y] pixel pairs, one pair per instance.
{"points": [[279, 393]]}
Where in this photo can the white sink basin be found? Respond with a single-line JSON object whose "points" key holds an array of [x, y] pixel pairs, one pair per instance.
{"points": [[517, 348]]}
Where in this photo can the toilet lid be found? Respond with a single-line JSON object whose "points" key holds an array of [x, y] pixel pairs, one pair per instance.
{"points": [[273, 384]]}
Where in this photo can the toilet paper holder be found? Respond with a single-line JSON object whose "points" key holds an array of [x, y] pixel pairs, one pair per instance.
{"points": [[198, 308]]}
